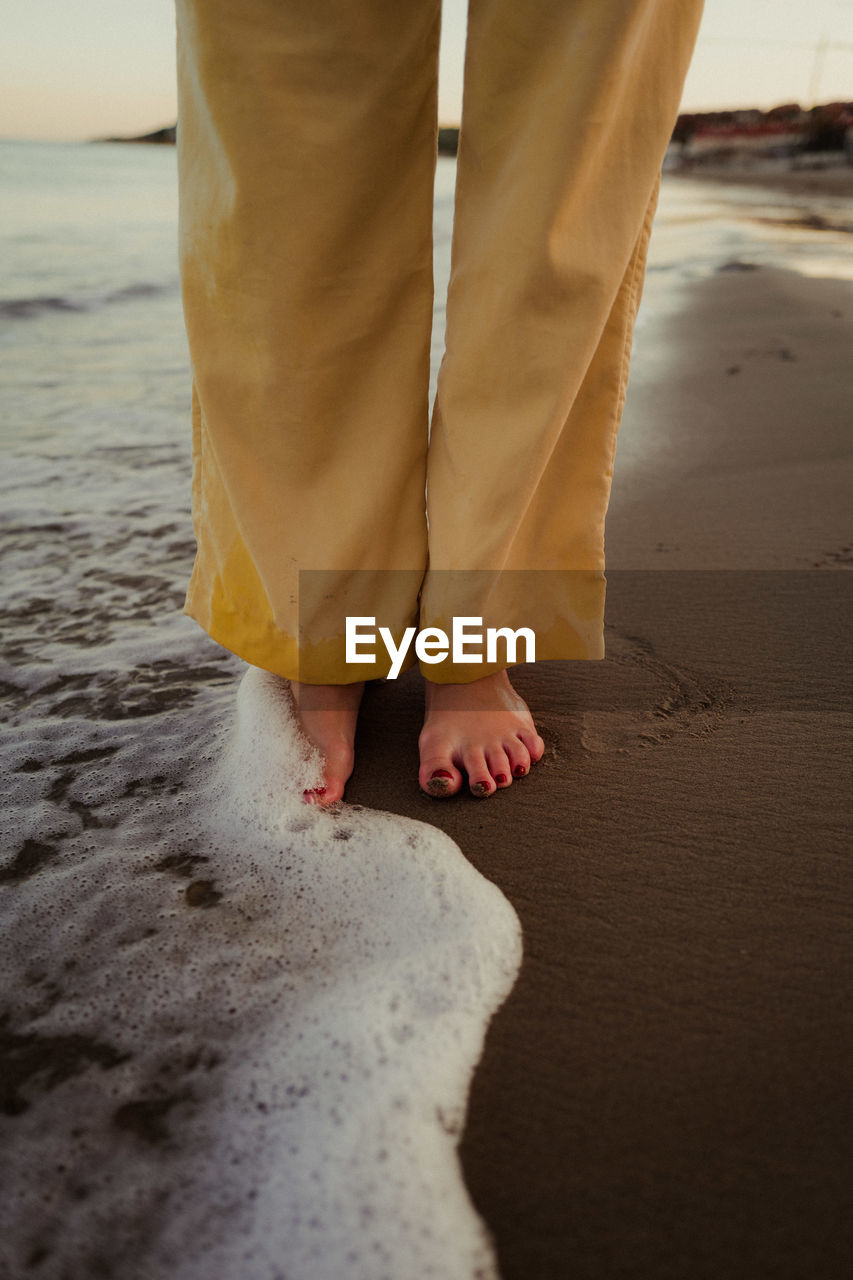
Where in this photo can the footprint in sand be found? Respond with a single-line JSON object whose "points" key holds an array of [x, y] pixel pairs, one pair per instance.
{"points": [[653, 700]]}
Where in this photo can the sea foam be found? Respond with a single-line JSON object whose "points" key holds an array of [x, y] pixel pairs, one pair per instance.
{"points": [[239, 1030]]}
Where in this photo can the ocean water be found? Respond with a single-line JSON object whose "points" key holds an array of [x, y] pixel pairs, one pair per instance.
{"points": [[237, 1034], [701, 227]]}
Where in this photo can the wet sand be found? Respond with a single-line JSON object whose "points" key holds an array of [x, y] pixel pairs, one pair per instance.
{"points": [[666, 1091], [820, 174]]}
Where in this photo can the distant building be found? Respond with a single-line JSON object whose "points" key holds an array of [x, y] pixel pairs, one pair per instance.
{"points": [[743, 135]]}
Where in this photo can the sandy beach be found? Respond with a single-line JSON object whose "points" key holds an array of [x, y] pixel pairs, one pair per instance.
{"points": [[234, 1044], [666, 1091]]}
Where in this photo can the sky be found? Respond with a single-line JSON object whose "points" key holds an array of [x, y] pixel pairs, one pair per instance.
{"points": [[93, 67]]}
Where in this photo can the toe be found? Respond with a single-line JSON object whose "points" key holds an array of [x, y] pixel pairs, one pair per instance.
{"points": [[480, 780], [332, 793], [499, 766], [439, 777], [323, 796], [535, 746], [519, 758]]}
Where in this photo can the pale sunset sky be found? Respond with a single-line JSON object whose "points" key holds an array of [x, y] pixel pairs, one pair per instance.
{"points": [[94, 67]]}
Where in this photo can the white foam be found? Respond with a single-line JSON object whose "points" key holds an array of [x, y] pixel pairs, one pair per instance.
{"points": [[271, 1082]]}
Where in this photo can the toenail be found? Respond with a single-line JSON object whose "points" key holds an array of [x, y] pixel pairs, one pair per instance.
{"points": [[480, 788], [519, 771], [501, 778], [441, 773]]}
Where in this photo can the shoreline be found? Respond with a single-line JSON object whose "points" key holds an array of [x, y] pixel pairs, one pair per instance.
{"points": [[832, 178], [662, 1093]]}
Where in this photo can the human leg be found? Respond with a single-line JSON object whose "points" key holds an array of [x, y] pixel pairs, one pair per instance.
{"points": [[307, 138], [306, 153], [566, 116]]}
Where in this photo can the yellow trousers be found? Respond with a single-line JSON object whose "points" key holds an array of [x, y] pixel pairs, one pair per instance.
{"points": [[307, 151]]}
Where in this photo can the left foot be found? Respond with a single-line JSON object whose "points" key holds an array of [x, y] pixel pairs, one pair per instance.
{"points": [[327, 715], [483, 729]]}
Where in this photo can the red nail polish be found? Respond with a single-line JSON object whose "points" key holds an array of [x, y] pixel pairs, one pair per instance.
{"points": [[500, 778], [320, 791], [519, 771], [441, 773]]}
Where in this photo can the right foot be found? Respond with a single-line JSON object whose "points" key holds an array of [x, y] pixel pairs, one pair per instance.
{"points": [[327, 716], [484, 729]]}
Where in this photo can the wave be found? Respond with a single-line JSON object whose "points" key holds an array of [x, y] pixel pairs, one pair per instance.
{"points": [[243, 1029], [40, 304]]}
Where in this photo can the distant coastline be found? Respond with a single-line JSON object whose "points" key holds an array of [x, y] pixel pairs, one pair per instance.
{"points": [[707, 140], [167, 136], [448, 138]]}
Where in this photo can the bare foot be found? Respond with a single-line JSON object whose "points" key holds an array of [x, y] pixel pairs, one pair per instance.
{"points": [[328, 714], [483, 729]]}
